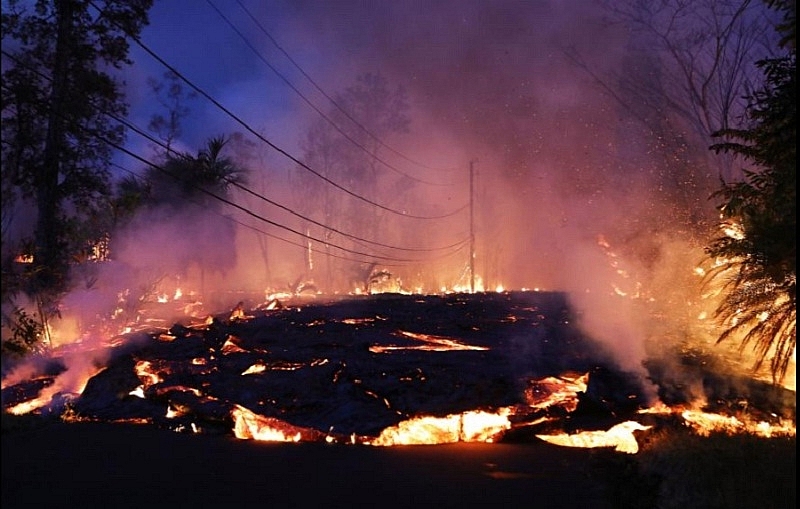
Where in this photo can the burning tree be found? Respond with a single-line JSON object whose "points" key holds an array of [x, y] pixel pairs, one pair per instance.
{"points": [[755, 260]]}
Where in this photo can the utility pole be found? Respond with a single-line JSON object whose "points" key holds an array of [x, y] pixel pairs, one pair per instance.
{"points": [[472, 226]]}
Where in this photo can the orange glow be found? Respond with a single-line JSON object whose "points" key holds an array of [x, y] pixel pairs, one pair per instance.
{"points": [[704, 423], [258, 367], [68, 382], [358, 321], [473, 426], [251, 426], [620, 437], [556, 391], [432, 343], [144, 370], [231, 346]]}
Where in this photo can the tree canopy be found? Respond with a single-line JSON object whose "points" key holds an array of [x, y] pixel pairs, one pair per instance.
{"points": [[60, 102], [756, 255]]}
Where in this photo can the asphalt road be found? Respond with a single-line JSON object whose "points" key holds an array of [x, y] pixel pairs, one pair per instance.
{"points": [[116, 466]]}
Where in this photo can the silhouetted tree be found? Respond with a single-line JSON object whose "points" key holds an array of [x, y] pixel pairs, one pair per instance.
{"points": [[192, 188], [172, 96], [346, 147], [756, 258], [58, 98]]}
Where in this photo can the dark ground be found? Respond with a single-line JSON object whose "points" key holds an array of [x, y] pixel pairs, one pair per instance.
{"points": [[122, 465]]}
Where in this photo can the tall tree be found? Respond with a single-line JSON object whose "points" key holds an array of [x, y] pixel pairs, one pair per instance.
{"points": [[685, 71], [172, 96], [695, 61], [346, 147], [59, 96], [755, 260]]}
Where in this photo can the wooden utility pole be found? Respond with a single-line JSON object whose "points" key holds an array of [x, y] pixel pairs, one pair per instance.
{"points": [[472, 227]]}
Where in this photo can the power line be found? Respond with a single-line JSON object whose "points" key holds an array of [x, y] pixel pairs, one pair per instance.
{"points": [[142, 133], [258, 230], [334, 102], [246, 210], [320, 112], [265, 140], [206, 191]]}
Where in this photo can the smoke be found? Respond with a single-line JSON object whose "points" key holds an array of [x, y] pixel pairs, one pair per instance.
{"points": [[571, 192]]}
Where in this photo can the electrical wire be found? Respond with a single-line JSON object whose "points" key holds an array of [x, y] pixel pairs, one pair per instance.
{"points": [[247, 190], [333, 101], [210, 193], [283, 152], [320, 112]]}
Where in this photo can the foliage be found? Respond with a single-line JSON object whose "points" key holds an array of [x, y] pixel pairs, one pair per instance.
{"points": [[756, 259], [196, 178], [26, 333], [192, 190], [683, 469], [59, 100]]}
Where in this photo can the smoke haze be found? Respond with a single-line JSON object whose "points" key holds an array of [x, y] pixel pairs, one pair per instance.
{"points": [[571, 191]]}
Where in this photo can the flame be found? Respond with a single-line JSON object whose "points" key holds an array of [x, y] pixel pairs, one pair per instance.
{"points": [[705, 423], [138, 392], [258, 367], [472, 426], [239, 314], [556, 391], [358, 321], [251, 426], [144, 370], [620, 437], [172, 413], [231, 345], [72, 381], [732, 230]]}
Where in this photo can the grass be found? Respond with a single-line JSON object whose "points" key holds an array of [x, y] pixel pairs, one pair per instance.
{"points": [[679, 469]]}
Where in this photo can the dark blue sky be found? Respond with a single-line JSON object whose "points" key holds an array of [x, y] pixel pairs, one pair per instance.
{"points": [[474, 70]]}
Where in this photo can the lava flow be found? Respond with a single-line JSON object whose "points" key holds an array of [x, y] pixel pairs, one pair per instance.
{"points": [[390, 371]]}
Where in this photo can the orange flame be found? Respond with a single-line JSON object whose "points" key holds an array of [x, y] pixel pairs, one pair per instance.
{"points": [[473, 426], [620, 437]]}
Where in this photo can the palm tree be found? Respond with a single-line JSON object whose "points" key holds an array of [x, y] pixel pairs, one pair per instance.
{"points": [[199, 179], [755, 261], [194, 188]]}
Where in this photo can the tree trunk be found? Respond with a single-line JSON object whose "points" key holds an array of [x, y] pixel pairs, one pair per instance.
{"points": [[47, 258]]}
